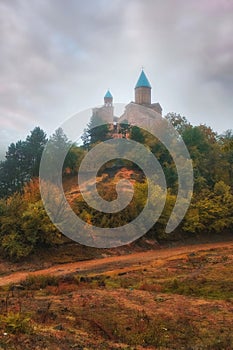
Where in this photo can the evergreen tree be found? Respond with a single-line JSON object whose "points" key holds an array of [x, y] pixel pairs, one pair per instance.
{"points": [[96, 131], [56, 152], [22, 162], [35, 146]]}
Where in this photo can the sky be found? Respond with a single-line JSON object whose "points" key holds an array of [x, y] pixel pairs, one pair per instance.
{"points": [[59, 57]]}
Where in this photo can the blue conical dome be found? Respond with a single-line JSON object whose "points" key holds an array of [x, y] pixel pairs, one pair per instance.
{"points": [[143, 81], [108, 94]]}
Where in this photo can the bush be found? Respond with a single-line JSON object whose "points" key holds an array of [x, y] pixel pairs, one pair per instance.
{"points": [[14, 248], [16, 323], [40, 282], [24, 224]]}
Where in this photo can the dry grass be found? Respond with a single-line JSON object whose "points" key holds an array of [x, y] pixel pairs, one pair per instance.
{"points": [[185, 302]]}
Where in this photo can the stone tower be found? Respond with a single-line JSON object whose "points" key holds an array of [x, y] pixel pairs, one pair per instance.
{"points": [[143, 90], [105, 113], [108, 99]]}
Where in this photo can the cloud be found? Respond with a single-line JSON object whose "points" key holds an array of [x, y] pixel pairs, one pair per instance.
{"points": [[58, 58], [192, 48]]}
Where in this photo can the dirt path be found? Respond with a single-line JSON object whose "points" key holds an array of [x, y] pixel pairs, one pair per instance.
{"points": [[110, 264]]}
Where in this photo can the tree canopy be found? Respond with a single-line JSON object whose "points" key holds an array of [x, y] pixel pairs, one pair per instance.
{"points": [[24, 224]]}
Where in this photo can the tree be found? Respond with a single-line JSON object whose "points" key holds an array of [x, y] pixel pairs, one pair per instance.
{"points": [[211, 210], [179, 123], [22, 162], [24, 223], [136, 134], [73, 159], [201, 151], [56, 151], [35, 144], [14, 171], [226, 143], [97, 131], [124, 128]]}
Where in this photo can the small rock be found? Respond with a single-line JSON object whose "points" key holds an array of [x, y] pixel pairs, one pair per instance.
{"points": [[192, 254], [160, 299], [59, 327]]}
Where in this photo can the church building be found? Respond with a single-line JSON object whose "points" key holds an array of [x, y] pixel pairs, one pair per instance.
{"points": [[142, 97]]}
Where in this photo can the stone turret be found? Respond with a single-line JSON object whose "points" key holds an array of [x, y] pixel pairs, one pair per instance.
{"points": [[143, 90], [106, 111], [108, 99]]}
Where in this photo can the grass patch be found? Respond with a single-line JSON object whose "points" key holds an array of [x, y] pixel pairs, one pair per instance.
{"points": [[16, 323], [40, 282], [204, 288]]}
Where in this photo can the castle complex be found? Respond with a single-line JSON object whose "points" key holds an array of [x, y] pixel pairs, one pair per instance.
{"points": [[132, 110]]}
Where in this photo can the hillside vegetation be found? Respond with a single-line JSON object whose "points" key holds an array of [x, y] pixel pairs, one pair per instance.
{"points": [[25, 226]]}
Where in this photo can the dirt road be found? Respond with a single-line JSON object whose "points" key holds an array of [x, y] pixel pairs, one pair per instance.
{"points": [[114, 263]]}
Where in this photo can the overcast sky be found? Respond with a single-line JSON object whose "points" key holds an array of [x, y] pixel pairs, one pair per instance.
{"points": [[59, 57]]}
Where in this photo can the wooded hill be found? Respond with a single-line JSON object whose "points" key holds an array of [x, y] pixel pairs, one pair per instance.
{"points": [[25, 226]]}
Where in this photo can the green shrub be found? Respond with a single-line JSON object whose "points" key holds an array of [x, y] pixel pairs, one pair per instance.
{"points": [[16, 323], [40, 281]]}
